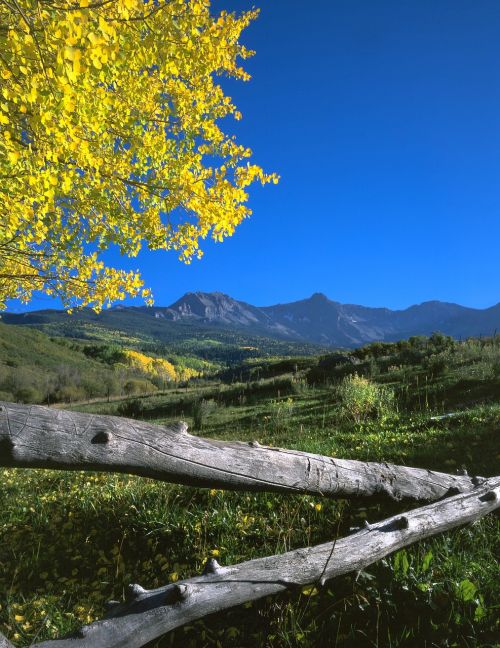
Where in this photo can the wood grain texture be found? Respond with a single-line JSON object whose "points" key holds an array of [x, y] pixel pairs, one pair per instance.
{"points": [[39, 437], [147, 614], [4, 642]]}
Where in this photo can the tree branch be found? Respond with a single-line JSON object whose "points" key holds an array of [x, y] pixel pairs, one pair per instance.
{"points": [[39, 437]]}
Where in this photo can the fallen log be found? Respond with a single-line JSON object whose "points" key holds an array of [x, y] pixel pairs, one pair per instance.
{"points": [[4, 642], [148, 614], [39, 437]]}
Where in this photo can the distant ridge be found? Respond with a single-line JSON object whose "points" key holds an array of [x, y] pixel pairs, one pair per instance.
{"points": [[316, 320]]}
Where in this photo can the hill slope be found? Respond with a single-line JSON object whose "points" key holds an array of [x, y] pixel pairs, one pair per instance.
{"points": [[36, 368]]}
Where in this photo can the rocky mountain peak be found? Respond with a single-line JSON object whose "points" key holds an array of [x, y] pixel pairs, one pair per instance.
{"points": [[316, 319]]}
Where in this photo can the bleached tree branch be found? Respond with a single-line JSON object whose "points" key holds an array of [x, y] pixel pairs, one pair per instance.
{"points": [[39, 437]]}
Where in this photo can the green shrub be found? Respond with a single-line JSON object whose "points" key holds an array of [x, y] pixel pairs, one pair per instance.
{"points": [[68, 394], [201, 410], [300, 386], [28, 395], [437, 364], [131, 409], [136, 386], [360, 399], [108, 353], [281, 413]]}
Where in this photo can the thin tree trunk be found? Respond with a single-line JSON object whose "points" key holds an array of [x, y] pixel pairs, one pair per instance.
{"points": [[148, 614], [40, 437]]}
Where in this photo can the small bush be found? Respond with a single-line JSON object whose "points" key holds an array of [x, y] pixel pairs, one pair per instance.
{"points": [[69, 394], [136, 386], [201, 410], [281, 413], [437, 364], [300, 386], [361, 399], [28, 395], [131, 409]]}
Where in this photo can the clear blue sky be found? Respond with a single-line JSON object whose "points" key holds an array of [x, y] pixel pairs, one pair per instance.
{"points": [[383, 120]]}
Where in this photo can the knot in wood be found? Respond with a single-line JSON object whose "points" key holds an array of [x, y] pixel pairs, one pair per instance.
{"points": [[490, 496], [110, 605], [134, 591], [6, 447], [102, 437], [82, 632], [181, 427], [401, 523], [176, 593], [211, 567]]}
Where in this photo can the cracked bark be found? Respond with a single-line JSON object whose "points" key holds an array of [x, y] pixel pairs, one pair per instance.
{"points": [[4, 642], [39, 437]]}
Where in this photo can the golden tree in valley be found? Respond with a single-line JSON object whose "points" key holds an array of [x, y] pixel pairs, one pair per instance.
{"points": [[110, 135]]}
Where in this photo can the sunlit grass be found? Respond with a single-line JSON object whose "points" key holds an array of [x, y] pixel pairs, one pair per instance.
{"points": [[71, 541]]}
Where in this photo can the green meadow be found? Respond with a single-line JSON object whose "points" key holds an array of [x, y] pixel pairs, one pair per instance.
{"points": [[72, 541]]}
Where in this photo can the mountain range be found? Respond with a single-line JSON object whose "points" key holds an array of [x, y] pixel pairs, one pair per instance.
{"points": [[315, 320]]}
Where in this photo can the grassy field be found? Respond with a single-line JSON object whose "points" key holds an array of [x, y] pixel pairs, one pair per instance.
{"points": [[71, 541]]}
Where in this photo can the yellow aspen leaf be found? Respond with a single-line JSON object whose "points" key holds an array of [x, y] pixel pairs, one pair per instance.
{"points": [[32, 95], [94, 39], [108, 154], [66, 184], [69, 53]]}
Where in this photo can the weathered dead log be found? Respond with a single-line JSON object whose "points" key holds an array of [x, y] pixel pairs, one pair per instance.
{"points": [[147, 614], [4, 642], [39, 437]]}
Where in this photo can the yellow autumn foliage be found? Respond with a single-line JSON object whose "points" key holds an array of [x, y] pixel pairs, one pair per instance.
{"points": [[110, 136], [185, 373], [158, 367]]}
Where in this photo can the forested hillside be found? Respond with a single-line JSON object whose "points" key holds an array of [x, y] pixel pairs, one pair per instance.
{"points": [[36, 368]]}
